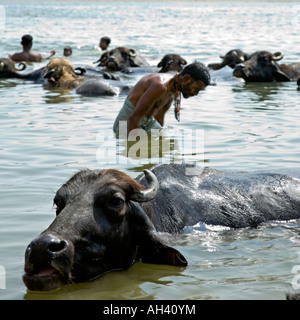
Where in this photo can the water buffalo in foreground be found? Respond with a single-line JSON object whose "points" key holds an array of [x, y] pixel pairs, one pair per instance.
{"points": [[60, 73], [105, 220], [121, 58], [262, 66], [9, 70], [231, 59]]}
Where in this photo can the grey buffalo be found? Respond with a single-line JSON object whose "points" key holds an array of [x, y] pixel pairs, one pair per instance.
{"points": [[9, 70], [171, 63], [230, 59], [121, 58], [105, 220], [262, 66]]}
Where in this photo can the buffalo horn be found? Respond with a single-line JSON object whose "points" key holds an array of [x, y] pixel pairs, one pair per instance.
{"points": [[80, 71], [132, 53], [239, 57], [21, 66], [149, 193], [277, 56], [1, 65]]}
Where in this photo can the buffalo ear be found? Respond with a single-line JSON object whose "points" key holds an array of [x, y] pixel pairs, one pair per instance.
{"points": [[183, 62], [216, 66], [153, 250], [160, 64], [281, 76]]}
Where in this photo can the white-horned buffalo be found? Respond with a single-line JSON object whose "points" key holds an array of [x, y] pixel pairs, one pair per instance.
{"points": [[60, 73], [9, 70], [121, 58], [262, 66], [105, 220], [99, 227], [231, 59]]}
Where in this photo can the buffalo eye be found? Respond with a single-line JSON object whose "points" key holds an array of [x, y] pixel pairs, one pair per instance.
{"points": [[125, 54], [60, 199], [112, 199], [60, 204], [116, 202]]}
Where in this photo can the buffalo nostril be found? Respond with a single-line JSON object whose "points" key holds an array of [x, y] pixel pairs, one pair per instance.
{"points": [[57, 246], [43, 248]]}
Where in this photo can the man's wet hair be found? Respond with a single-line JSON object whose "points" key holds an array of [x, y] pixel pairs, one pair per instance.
{"points": [[27, 39], [198, 71], [106, 39]]}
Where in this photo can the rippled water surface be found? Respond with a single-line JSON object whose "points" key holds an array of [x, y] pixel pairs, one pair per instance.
{"points": [[47, 135]]}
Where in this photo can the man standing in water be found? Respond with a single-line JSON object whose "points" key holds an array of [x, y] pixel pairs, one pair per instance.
{"points": [[152, 96], [26, 54]]}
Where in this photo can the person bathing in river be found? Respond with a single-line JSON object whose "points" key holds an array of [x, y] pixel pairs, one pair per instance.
{"points": [[104, 43], [26, 54], [152, 96]]}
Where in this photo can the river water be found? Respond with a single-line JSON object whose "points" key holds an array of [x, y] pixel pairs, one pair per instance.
{"points": [[49, 134]]}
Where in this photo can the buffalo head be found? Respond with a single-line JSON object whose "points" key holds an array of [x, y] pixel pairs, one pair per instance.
{"points": [[8, 68], [120, 58], [99, 227], [171, 62], [60, 73], [231, 59], [261, 67]]}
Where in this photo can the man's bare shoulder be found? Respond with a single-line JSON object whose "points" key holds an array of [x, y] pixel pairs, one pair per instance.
{"points": [[18, 56], [155, 80], [26, 56]]}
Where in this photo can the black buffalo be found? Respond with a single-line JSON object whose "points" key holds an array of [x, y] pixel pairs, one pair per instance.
{"points": [[231, 59], [121, 58], [9, 70], [262, 66], [106, 220], [171, 63]]}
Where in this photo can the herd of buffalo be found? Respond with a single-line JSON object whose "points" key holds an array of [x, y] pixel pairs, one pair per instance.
{"points": [[106, 220], [260, 66]]}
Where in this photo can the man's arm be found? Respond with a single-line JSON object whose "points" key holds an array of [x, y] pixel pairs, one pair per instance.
{"points": [[145, 104], [160, 114], [52, 53]]}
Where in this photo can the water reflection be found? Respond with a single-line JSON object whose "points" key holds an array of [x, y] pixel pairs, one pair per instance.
{"points": [[118, 285], [143, 149], [57, 95], [8, 83], [261, 91]]}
